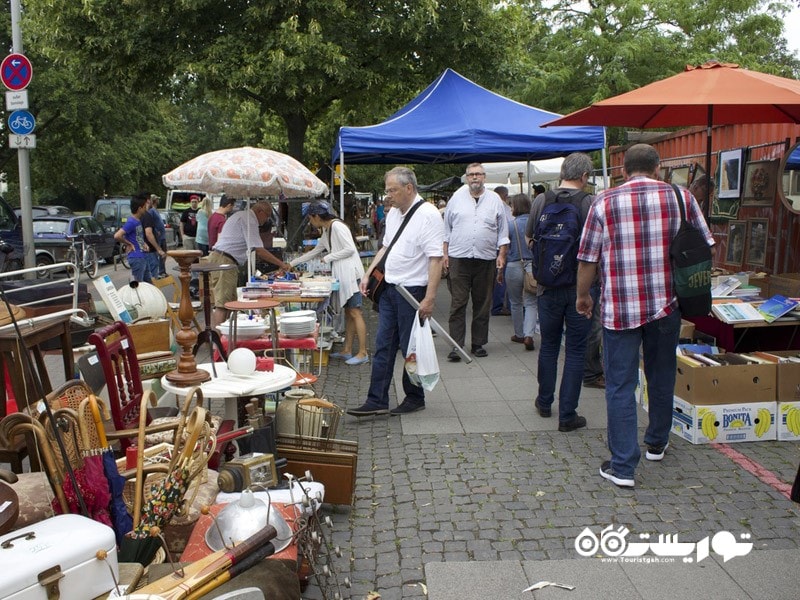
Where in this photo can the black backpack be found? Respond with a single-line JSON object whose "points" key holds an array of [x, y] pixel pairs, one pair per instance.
{"points": [[555, 240], [690, 256]]}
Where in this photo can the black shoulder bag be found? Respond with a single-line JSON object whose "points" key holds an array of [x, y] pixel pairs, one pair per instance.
{"points": [[691, 267], [376, 284]]}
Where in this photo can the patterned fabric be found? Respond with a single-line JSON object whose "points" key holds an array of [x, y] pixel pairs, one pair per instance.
{"points": [[34, 493], [628, 231], [161, 437]]}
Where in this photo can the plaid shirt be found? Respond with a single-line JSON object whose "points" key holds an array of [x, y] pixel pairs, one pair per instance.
{"points": [[628, 231]]}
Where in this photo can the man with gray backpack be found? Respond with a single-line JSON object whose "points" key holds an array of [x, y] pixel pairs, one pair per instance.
{"points": [[553, 233]]}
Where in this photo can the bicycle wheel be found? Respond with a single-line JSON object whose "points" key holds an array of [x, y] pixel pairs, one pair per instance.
{"points": [[72, 257], [123, 256], [90, 261]]}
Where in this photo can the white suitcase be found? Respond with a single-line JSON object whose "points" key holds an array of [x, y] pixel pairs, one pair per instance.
{"points": [[57, 558]]}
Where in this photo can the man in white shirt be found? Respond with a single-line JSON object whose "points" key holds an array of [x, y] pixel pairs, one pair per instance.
{"points": [[476, 242], [415, 262]]}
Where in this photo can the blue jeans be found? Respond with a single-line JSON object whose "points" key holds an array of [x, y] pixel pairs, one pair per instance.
{"points": [[557, 309], [593, 367], [522, 303], [140, 268], [395, 319], [152, 264], [658, 340]]}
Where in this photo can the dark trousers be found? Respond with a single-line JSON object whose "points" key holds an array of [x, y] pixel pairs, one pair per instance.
{"points": [[470, 278]]}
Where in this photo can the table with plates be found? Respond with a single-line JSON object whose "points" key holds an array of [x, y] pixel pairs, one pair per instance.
{"points": [[231, 387]]}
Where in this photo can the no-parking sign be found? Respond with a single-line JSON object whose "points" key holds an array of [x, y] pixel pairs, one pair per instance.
{"points": [[16, 72]]}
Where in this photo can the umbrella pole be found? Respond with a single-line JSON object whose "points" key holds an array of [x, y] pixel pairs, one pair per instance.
{"points": [[707, 210]]}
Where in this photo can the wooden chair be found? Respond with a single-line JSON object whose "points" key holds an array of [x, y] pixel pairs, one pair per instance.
{"points": [[116, 354], [174, 304]]}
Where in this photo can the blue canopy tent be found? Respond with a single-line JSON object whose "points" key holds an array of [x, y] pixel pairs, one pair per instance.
{"points": [[454, 120]]}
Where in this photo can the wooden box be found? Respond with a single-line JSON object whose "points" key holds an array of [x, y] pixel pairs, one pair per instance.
{"points": [[333, 463], [150, 336]]}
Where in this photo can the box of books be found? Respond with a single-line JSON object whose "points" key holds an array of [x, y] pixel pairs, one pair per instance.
{"points": [[785, 284], [787, 364], [724, 423], [724, 379], [788, 418]]}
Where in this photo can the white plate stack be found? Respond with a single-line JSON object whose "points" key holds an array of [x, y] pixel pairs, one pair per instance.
{"points": [[298, 323]]}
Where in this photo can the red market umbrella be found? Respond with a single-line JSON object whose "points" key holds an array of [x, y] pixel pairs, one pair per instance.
{"points": [[710, 94]]}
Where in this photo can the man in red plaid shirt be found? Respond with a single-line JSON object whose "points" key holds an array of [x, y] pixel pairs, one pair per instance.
{"points": [[627, 236]]}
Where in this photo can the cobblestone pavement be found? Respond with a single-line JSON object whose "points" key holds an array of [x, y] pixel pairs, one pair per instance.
{"points": [[525, 496]]}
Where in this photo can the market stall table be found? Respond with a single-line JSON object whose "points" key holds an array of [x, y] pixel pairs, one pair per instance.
{"points": [[749, 337], [231, 387]]}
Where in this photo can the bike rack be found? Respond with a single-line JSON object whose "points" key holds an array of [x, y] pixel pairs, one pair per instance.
{"points": [[77, 315]]}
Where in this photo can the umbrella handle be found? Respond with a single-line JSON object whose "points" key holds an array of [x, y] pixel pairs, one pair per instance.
{"points": [[194, 425], [98, 421]]}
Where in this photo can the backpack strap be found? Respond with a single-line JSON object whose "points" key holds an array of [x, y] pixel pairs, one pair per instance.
{"points": [[680, 203]]}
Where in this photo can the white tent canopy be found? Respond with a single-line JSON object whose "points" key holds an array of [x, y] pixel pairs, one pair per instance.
{"points": [[536, 171]]}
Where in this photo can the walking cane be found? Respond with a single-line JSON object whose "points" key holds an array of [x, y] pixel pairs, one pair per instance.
{"points": [[434, 324]]}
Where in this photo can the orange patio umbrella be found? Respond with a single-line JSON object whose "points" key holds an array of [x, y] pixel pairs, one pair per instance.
{"points": [[710, 94]]}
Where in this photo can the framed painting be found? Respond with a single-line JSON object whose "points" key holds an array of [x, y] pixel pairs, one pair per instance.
{"points": [[737, 233], [679, 176], [729, 174], [760, 183], [663, 174], [757, 234]]}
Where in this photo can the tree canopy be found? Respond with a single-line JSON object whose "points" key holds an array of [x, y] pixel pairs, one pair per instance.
{"points": [[126, 90]]}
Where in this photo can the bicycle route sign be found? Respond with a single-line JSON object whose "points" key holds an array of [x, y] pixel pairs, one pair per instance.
{"points": [[21, 122], [16, 72]]}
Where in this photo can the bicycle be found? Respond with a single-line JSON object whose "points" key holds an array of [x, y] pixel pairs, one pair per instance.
{"points": [[121, 255], [83, 256]]}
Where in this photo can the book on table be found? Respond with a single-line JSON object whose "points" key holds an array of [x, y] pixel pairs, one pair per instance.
{"points": [[725, 287], [775, 307], [739, 312]]}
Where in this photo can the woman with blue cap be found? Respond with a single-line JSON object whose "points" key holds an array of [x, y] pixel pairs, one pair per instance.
{"points": [[342, 255]]}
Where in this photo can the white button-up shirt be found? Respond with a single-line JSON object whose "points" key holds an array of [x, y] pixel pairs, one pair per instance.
{"points": [[475, 229]]}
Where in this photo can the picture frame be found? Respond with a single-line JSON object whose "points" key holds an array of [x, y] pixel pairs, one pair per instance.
{"points": [[760, 183], [737, 234], [663, 174], [696, 171], [679, 176], [757, 236], [729, 174]]}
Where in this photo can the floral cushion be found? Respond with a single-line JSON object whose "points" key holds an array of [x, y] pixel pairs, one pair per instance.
{"points": [[35, 494]]}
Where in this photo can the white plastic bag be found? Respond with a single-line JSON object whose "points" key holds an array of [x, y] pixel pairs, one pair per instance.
{"points": [[422, 365]]}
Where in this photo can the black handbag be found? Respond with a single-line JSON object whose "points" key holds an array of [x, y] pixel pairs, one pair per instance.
{"points": [[376, 283]]}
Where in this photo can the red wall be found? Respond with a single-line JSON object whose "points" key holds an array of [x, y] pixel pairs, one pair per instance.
{"points": [[760, 142]]}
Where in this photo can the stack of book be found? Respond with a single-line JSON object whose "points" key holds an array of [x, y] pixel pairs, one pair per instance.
{"points": [[770, 310]]}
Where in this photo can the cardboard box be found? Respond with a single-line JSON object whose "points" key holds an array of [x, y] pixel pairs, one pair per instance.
{"points": [[787, 377], [724, 423], [788, 421], [315, 358], [725, 384], [687, 330], [150, 336], [785, 284]]}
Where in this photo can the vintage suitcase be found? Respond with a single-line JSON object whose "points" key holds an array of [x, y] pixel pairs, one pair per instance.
{"points": [[331, 462], [58, 558]]}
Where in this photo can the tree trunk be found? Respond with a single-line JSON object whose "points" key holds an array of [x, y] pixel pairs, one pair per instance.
{"points": [[296, 126]]}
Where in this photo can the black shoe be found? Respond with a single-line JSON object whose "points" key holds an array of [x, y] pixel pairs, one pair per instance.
{"points": [[454, 356], [656, 452], [365, 410], [544, 412], [479, 351], [405, 408], [576, 423]]}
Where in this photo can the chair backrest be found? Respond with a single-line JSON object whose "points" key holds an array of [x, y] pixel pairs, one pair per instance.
{"points": [[117, 355], [169, 280]]}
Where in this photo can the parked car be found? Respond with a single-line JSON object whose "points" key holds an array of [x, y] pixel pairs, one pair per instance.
{"points": [[112, 212], [172, 222], [43, 211], [52, 237]]}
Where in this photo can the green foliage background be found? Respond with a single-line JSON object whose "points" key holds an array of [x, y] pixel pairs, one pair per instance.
{"points": [[125, 90]]}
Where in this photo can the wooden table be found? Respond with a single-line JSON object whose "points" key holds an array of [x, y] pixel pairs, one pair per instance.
{"points": [[749, 337], [32, 337]]}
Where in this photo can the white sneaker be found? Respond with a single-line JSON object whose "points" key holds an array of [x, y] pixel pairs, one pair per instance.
{"points": [[656, 452], [607, 473]]}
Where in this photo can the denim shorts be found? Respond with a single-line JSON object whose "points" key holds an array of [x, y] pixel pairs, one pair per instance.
{"points": [[354, 301]]}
